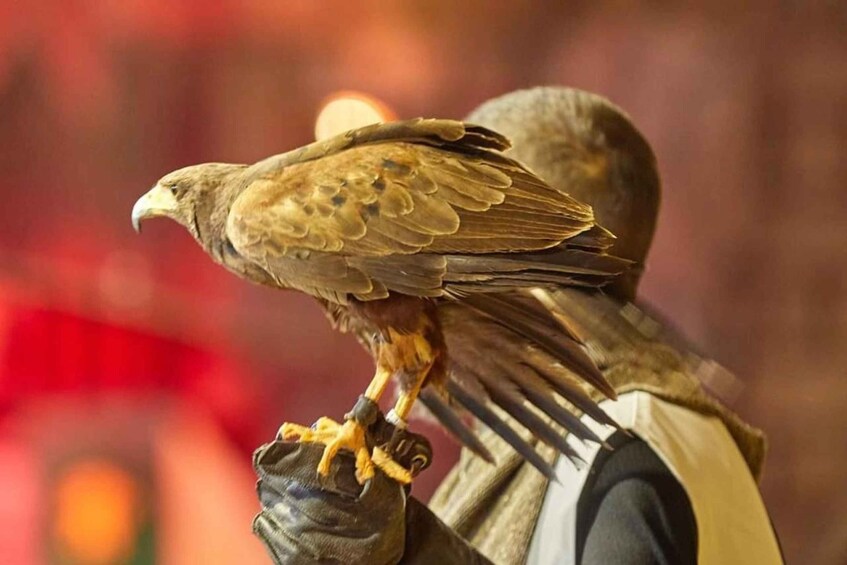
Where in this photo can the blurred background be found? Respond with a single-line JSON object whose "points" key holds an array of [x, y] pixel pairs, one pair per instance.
{"points": [[136, 377]]}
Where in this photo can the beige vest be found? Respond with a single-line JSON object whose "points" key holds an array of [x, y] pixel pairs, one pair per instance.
{"points": [[496, 507], [732, 524]]}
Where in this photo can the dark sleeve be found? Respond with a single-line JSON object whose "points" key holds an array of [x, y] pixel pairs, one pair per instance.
{"points": [[429, 540], [633, 510]]}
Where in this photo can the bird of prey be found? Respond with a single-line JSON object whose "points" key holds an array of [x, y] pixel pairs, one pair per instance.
{"points": [[413, 235]]}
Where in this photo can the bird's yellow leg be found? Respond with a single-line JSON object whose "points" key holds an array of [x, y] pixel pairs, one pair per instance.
{"points": [[422, 359], [412, 352], [349, 435], [400, 413], [398, 416], [421, 355]]}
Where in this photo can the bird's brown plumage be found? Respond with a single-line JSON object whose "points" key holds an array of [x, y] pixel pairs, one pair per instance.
{"points": [[394, 226], [425, 212]]}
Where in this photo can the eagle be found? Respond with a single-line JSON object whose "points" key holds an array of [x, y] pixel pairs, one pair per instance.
{"points": [[424, 240]]}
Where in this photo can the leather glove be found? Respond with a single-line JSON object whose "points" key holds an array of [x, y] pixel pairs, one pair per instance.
{"points": [[307, 518]]}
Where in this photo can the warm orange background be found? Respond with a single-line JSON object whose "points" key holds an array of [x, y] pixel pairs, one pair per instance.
{"points": [[134, 349]]}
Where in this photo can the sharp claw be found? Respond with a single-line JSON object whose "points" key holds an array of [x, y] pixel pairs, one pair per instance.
{"points": [[394, 442]]}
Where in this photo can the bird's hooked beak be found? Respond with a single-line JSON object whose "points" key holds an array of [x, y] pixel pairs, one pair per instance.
{"points": [[157, 202]]}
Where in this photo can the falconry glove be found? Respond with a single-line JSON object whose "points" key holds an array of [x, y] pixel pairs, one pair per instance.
{"points": [[307, 518]]}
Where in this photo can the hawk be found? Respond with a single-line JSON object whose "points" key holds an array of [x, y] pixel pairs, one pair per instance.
{"points": [[413, 235]]}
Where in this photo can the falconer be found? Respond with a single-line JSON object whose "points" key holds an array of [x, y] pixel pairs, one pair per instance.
{"points": [[678, 485]]}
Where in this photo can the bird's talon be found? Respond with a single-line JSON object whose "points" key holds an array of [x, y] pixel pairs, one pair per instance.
{"points": [[390, 467], [289, 431], [335, 436], [350, 436], [364, 466], [326, 424], [326, 459]]}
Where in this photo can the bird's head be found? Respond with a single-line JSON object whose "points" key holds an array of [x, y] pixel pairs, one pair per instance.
{"points": [[190, 196]]}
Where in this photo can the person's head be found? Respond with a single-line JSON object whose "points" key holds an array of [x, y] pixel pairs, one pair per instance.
{"points": [[587, 147]]}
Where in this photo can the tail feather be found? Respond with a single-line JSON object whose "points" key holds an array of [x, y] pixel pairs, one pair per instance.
{"points": [[454, 424], [513, 403], [541, 397], [537, 358], [552, 338], [487, 416]]}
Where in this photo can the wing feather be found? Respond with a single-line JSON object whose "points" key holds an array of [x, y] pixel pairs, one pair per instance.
{"points": [[422, 187]]}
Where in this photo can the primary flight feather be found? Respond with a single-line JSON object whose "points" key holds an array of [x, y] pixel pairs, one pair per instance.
{"points": [[393, 227]]}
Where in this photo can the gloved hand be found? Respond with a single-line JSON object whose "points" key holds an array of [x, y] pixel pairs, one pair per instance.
{"points": [[307, 518]]}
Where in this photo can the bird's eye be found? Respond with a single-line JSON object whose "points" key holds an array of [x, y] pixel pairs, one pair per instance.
{"points": [[174, 188]]}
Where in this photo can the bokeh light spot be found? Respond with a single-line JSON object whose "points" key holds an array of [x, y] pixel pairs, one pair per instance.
{"points": [[98, 510], [346, 110]]}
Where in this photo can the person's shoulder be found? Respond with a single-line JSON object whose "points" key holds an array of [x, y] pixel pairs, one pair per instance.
{"points": [[633, 505]]}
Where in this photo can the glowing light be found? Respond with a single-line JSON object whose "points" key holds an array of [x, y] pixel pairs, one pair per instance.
{"points": [[98, 507], [348, 110]]}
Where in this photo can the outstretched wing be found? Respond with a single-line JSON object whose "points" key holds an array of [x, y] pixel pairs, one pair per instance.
{"points": [[424, 207]]}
